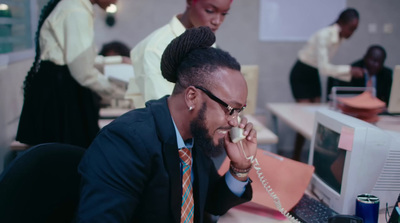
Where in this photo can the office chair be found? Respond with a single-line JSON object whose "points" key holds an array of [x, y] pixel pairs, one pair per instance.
{"points": [[41, 185]]}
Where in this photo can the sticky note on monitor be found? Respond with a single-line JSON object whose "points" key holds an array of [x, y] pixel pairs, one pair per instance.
{"points": [[346, 138]]}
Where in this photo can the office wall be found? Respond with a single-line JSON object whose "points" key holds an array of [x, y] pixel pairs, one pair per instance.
{"points": [[238, 35]]}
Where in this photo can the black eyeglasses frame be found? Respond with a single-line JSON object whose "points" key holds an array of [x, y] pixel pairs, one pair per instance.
{"points": [[231, 110]]}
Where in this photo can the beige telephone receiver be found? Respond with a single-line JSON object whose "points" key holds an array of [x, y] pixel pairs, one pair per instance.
{"points": [[236, 135]]}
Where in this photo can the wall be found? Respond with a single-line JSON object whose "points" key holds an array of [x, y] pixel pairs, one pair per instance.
{"points": [[238, 35]]}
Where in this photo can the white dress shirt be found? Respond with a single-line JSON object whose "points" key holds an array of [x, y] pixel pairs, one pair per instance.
{"points": [[67, 38], [146, 58], [320, 49]]}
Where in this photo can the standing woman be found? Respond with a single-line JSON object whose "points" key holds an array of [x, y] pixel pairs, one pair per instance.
{"points": [[314, 59], [59, 91]]}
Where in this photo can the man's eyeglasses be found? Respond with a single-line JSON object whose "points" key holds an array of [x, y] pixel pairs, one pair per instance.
{"points": [[231, 110]]}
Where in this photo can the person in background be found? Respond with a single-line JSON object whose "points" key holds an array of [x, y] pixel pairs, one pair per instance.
{"points": [[115, 48], [59, 102], [146, 55], [314, 59], [153, 164], [375, 74]]}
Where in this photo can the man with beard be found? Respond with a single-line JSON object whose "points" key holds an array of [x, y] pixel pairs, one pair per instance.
{"points": [[138, 170]]}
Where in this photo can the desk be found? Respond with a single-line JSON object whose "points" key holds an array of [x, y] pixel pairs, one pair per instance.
{"points": [[238, 216], [300, 117], [264, 135]]}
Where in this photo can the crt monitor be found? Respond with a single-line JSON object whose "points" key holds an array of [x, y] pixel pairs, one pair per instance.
{"points": [[370, 162]]}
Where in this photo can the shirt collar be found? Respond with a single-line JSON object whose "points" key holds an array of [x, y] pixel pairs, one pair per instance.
{"points": [[181, 144], [176, 26]]}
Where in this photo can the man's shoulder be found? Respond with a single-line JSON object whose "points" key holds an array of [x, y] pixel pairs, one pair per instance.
{"points": [[387, 71]]}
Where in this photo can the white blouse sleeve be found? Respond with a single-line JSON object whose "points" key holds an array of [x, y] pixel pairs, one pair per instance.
{"points": [[324, 66], [80, 54]]}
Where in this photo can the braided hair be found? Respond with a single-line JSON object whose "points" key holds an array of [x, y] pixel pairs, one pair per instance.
{"points": [[190, 60], [46, 10]]}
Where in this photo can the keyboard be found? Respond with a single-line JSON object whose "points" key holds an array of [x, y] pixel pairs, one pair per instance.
{"points": [[309, 210]]}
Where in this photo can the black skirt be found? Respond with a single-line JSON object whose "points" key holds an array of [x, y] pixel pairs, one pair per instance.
{"points": [[58, 109], [304, 81]]}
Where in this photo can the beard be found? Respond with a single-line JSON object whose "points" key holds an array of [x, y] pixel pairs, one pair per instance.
{"points": [[202, 139]]}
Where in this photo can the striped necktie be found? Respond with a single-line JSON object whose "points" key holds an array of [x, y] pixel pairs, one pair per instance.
{"points": [[187, 208]]}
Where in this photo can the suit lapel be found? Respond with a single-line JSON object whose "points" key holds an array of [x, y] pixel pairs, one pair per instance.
{"points": [[166, 133], [171, 159], [200, 169]]}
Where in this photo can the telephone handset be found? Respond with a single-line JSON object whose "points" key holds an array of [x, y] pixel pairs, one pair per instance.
{"points": [[236, 135]]}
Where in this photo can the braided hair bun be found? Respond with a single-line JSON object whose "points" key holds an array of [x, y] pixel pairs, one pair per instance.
{"points": [[180, 47]]}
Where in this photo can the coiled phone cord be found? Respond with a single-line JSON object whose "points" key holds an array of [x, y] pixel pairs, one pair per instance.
{"points": [[267, 187]]}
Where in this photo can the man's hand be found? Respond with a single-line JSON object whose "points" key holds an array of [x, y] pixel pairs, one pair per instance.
{"points": [[239, 152]]}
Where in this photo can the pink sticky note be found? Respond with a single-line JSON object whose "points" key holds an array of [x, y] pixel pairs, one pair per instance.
{"points": [[346, 138]]}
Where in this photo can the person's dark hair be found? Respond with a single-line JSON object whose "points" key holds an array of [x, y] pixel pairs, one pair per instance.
{"points": [[46, 10], [190, 60], [116, 46], [347, 16], [376, 47]]}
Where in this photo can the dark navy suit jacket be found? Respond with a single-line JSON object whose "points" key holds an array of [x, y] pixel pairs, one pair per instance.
{"points": [[383, 82], [131, 173]]}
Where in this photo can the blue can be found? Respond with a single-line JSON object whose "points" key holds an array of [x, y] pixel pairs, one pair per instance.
{"points": [[367, 208]]}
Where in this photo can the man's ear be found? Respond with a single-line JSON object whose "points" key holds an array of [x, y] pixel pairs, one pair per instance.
{"points": [[189, 3], [191, 97]]}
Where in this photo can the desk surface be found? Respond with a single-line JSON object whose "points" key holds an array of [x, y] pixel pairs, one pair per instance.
{"points": [[238, 216], [264, 135], [301, 117]]}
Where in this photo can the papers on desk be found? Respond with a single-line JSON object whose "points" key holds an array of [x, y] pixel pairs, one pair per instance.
{"points": [[119, 72], [364, 106]]}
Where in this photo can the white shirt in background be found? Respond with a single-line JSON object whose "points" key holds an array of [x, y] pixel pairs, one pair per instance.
{"points": [[67, 38], [319, 51], [146, 59]]}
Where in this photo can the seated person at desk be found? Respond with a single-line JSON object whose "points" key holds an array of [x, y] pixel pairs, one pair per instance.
{"points": [[375, 74], [146, 56], [134, 169]]}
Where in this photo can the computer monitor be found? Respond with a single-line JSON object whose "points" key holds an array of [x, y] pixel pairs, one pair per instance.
{"points": [[394, 100], [370, 165]]}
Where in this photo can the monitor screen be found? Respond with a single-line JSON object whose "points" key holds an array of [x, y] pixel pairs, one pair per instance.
{"points": [[328, 159]]}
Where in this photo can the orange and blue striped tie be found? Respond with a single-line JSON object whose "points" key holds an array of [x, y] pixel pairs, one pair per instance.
{"points": [[187, 208]]}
